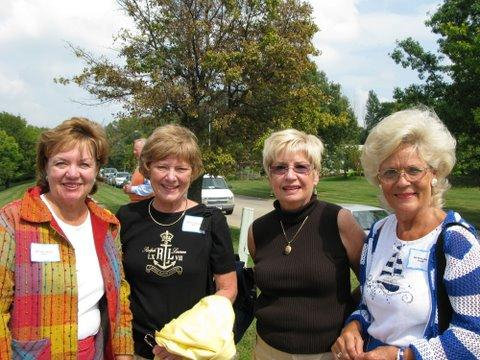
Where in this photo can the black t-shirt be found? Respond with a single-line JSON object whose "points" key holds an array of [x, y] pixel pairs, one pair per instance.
{"points": [[167, 267]]}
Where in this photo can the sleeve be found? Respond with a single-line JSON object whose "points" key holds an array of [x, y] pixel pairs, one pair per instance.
{"points": [[462, 282], [7, 261], [122, 337], [222, 258], [144, 189]]}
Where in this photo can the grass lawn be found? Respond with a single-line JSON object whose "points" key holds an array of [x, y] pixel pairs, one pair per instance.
{"points": [[465, 200]]}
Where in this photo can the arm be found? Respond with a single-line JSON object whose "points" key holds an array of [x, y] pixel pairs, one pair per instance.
{"points": [[222, 259], [144, 189], [460, 340], [352, 236], [7, 263], [226, 285], [251, 242]]}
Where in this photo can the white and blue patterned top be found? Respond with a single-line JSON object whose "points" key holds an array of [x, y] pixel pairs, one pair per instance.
{"points": [[462, 282]]}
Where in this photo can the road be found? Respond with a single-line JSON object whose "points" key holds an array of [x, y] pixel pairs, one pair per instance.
{"points": [[260, 207]]}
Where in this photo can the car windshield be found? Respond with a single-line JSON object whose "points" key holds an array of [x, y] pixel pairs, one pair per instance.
{"points": [[122, 174], [367, 217], [214, 183]]}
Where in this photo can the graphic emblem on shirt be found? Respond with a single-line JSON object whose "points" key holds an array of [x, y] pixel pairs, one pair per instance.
{"points": [[389, 281], [165, 258]]}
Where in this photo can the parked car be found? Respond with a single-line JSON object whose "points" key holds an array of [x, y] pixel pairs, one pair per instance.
{"points": [[121, 178], [366, 215], [107, 173], [215, 193]]}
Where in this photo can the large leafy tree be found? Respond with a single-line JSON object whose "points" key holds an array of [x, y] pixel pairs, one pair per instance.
{"points": [[451, 76], [9, 158], [230, 70], [25, 136]]}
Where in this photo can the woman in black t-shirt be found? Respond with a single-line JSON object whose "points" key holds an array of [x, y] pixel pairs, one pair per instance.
{"points": [[170, 242]]}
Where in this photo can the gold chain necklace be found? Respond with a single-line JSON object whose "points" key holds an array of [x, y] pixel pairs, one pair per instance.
{"points": [[288, 248], [162, 224]]}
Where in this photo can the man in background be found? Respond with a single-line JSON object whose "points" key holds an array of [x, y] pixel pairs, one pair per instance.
{"points": [[139, 188]]}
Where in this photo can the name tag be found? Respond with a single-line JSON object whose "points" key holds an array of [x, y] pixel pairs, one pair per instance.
{"points": [[193, 224], [418, 259], [44, 252]]}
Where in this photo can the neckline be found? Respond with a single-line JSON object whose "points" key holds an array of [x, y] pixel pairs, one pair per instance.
{"points": [[291, 217]]}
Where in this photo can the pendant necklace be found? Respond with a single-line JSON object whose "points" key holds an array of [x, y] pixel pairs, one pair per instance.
{"points": [[288, 247], [162, 224]]}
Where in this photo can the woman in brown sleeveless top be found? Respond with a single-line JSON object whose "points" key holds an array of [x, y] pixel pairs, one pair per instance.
{"points": [[303, 251]]}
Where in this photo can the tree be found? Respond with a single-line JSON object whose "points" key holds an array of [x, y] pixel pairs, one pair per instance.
{"points": [[26, 137], [229, 70], [451, 78], [9, 158], [372, 110]]}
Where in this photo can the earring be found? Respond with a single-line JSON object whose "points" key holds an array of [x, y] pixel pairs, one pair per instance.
{"points": [[434, 182], [46, 177]]}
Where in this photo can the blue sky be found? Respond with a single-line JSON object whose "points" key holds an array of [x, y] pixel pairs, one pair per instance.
{"points": [[355, 39]]}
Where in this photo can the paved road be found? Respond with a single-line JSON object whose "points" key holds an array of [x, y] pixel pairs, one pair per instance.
{"points": [[260, 207]]}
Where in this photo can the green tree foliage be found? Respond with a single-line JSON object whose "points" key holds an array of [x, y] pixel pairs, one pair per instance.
{"points": [[451, 77], [230, 70], [9, 158], [338, 128], [26, 137]]}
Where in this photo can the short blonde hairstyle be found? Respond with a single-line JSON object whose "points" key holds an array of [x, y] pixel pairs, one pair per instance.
{"points": [[292, 141], [73, 132], [171, 140], [420, 128]]}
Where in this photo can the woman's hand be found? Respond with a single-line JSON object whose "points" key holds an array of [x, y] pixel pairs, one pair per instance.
{"points": [[349, 344], [162, 354], [380, 353]]}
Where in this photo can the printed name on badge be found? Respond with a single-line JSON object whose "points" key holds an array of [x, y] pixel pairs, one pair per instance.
{"points": [[44, 252], [193, 224], [418, 259]]}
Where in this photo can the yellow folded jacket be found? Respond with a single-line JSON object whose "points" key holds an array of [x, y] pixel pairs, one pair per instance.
{"points": [[203, 332]]}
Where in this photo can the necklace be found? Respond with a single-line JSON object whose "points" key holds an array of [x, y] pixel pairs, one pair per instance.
{"points": [[288, 248], [162, 224]]}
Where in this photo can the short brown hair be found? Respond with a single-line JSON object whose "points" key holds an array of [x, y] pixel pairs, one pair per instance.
{"points": [[171, 140], [70, 133]]}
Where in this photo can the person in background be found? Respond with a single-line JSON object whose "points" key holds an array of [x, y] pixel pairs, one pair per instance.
{"points": [[172, 244], [139, 187], [63, 294], [409, 155], [303, 251]]}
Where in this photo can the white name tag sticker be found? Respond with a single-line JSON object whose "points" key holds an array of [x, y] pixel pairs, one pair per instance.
{"points": [[44, 252], [193, 224], [418, 260]]}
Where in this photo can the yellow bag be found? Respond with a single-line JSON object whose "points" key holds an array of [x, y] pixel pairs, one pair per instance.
{"points": [[203, 332]]}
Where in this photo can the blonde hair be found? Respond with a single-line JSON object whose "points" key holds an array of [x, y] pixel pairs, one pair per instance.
{"points": [[171, 140], [292, 141], [420, 128], [70, 133]]}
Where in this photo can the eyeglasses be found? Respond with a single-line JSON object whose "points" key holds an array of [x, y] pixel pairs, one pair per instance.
{"points": [[179, 170], [282, 169], [412, 174]]}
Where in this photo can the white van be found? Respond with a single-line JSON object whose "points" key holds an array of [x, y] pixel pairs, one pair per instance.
{"points": [[215, 193]]}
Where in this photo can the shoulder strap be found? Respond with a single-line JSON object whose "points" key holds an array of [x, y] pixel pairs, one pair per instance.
{"points": [[443, 302]]}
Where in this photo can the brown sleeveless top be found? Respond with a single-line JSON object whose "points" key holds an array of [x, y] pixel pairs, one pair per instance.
{"points": [[305, 296]]}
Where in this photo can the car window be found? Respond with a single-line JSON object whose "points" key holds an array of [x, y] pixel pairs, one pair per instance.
{"points": [[367, 217], [214, 183]]}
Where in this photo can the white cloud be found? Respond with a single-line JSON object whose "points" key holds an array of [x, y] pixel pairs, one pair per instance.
{"points": [[10, 87]]}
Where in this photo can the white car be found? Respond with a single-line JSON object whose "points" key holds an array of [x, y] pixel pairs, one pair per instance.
{"points": [[366, 215], [121, 178], [215, 193]]}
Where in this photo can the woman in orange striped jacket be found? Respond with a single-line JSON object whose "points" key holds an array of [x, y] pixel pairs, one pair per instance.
{"points": [[62, 289]]}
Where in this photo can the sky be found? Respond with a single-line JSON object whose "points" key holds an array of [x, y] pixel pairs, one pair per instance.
{"points": [[355, 39]]}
